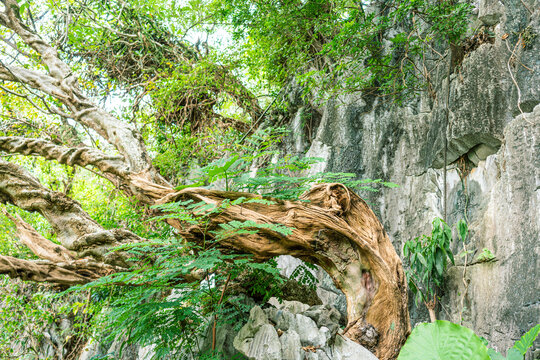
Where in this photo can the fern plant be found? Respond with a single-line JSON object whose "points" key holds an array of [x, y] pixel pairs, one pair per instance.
{"points": [[179, 288]]}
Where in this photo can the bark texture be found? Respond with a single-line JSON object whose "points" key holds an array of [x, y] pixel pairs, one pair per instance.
{"points": [[332, 226], [336, 230]]}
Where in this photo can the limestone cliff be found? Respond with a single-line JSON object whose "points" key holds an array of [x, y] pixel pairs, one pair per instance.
{"points": [[493, 167]]}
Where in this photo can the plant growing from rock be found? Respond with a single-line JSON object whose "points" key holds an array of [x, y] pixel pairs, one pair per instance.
{"points": [[428, 257]]}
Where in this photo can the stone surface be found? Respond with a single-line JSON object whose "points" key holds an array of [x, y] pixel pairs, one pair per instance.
{"points": [[283, 319], [326, 290], [265, 344], [308, 331], [294, 307], [304, 339], [346, 349], [257, 319], [496, 189], [324, 315], [291, 346]]}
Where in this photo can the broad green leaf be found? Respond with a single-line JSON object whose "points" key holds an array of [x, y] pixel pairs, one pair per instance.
{"points": [[527, 340], [439, 261], [462, 229], [443, 340], [422, 259], [513, 354], [494, 355]]}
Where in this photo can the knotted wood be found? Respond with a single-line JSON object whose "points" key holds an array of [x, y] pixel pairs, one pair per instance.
{"points": [[334, 228]]}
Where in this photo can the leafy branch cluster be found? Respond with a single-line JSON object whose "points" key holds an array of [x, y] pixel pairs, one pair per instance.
{"points": [[428, 258], [386, 48]]}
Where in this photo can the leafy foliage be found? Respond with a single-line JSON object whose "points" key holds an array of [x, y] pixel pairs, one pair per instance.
{"points": [[29, 311], [485, 256], [447, 341], [428, 258], [443, 340], [304, 274], [260, 167], [518, 351], [338, 45]]}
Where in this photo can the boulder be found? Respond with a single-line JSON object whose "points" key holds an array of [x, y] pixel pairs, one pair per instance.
{"points": [[265, 345], [346, 349], [309, 332], [291, 347]]}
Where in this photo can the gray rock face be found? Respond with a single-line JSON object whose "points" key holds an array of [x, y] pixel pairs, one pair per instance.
{"points": [[326, 290], [294, 307], [346, 349], [291, 346], [244, 339], [303, 339], [493, 176], [324, 315], [265, 344], [308, 331]]}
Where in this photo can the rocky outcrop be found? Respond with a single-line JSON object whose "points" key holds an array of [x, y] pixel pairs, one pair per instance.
{"points": [[294, 331], [493, 168]]}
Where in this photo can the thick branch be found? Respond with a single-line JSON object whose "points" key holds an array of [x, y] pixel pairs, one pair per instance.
{"points": [[10, 19], [72, 273], [139, 185], [41, 247], [334, 229], [75, 229], [62, 84], [81, 156]]}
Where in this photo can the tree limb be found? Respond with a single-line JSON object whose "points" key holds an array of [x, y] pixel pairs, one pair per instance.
{"points": [[62, 84], [332, 227], [41, 247], [67, 273], [81, 156], [75, 229]]}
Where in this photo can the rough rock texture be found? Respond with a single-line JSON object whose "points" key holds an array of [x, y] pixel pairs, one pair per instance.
{"points": [[326, 290], [277, 332], [493, 177]]}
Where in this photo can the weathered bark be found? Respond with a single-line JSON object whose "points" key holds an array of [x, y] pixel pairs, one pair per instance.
{"points": [[41, 247], [336, 230], [74, 228], [114, 168], [68, 273], [62, 84], [81, 156]]}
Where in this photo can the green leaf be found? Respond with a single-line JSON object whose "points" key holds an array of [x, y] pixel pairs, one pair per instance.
{"points": [[462, 229], [494, 355], [513, 354], [443, 340], [439, 261], [526, 341], [485, 256], [422, 259]]}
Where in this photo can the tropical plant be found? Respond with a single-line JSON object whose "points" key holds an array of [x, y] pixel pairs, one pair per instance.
{"points": [[443, 340], [428, 258]]}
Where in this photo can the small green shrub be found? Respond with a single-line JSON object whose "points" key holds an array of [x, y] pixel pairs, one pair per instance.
{"points": [[428, 258]]}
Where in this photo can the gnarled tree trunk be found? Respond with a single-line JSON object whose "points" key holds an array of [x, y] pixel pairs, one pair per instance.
{"points": [[337, 230], [334, 228]]}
